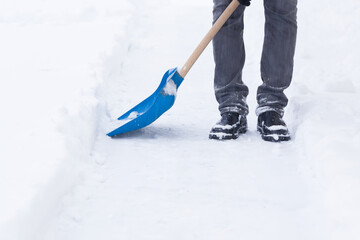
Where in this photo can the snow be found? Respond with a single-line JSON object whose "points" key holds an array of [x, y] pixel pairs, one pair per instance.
{"points": [[117, 123], [223, 127], [133, 115], [170, 88], [276, 128], [222, 135], [274, 136], [70, 68]]}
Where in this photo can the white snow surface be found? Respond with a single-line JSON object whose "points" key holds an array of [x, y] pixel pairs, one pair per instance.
{"points": [[276, 127], [69, 68], [170, 88]]}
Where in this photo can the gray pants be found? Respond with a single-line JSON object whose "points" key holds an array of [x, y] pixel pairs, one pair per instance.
{"points": [[276, 61]]}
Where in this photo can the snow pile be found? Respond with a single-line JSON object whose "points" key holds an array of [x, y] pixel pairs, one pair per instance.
{"points": [[325, 112], [170, 88], [51, 61]]}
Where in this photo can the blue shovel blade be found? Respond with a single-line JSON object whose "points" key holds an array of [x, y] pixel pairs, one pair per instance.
{"points": [[152, 107]]}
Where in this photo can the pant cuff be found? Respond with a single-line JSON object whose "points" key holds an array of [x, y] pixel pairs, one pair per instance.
{"points": [[233, 109], [260, 110]]}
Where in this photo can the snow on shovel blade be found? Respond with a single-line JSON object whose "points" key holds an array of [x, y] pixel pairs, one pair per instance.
{"points": [[152, 107]]}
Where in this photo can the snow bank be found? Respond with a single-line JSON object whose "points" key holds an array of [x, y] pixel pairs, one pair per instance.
{"points": [[51, 60], [326, 128], [324, 113]]}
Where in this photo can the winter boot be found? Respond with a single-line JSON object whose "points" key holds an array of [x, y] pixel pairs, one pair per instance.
{"points": [[230, 126], [272, 127]]}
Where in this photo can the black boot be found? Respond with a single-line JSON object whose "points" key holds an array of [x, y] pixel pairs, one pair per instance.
{"points": [[230, 126], [272, 127]]}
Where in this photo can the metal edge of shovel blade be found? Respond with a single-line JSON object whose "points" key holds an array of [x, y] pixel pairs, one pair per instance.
{"points": [[151, 108]]}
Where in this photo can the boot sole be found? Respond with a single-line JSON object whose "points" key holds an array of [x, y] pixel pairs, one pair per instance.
{"points": [[273, 137], [227, 136]]}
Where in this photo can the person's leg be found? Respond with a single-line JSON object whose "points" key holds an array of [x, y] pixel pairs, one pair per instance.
{"points": [[278, 54], [229, 56]]}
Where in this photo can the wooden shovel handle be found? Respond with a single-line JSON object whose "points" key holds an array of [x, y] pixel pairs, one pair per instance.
{"points": [[208, 37]]}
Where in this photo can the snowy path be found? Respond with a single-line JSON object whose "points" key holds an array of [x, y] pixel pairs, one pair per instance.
{"points": [[169, 181]]}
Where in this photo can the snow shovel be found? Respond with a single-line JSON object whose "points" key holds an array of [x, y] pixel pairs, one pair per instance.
{"points": [[163, 98]]}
